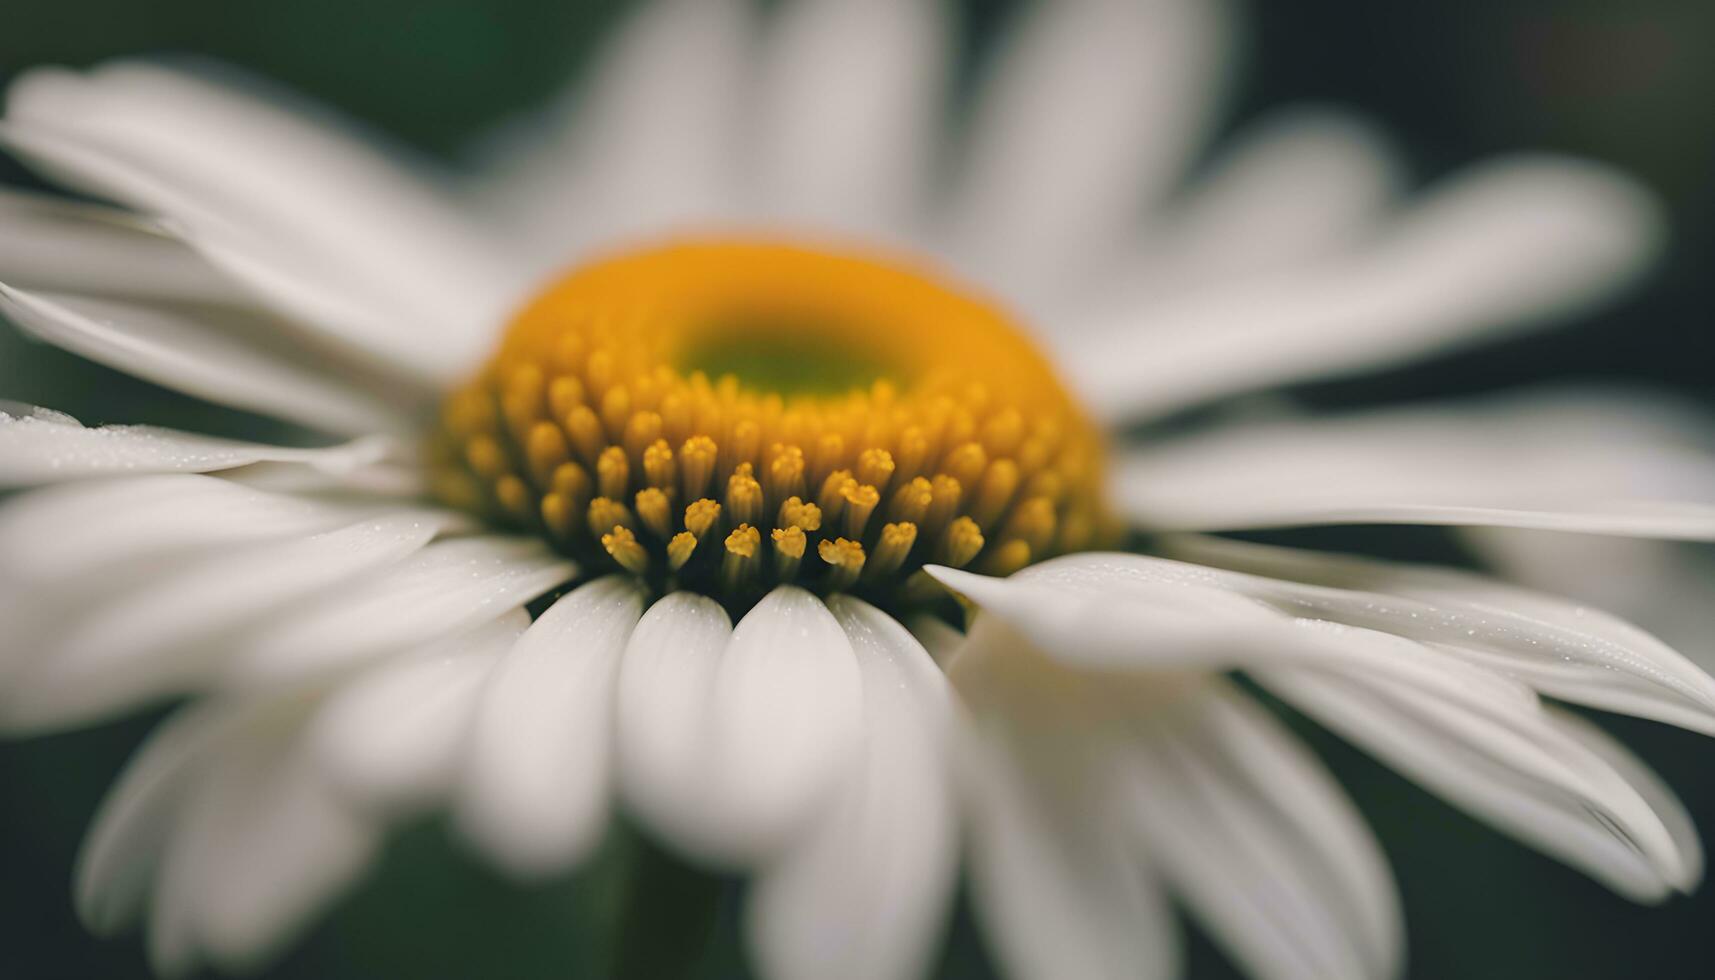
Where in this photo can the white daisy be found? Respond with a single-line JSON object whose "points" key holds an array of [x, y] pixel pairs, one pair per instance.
{"points": [[741, 433]]}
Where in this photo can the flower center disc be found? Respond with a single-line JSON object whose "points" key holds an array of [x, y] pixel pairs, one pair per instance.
{"points": [[727, 416]]}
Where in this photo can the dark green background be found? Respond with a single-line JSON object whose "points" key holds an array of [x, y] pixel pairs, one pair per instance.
{"points": [[1629, 82]]}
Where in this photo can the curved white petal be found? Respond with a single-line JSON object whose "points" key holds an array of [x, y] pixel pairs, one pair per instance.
{"points": [[1512, 766], [79, 531], [1298, 186], [651, 146], [178, 350], [666, 686], [866, 893], [244, 174], [1663, 586], [1092, 110], [785, 722], [261, 847], [448, 586], [1593, 461], [1558, 647], [1268, 852], [168, 633], [41, 446], [57, 245], [535, 794], [1057, 890], [851, 93], [117, 862], [391, 741], [1508, 245]]}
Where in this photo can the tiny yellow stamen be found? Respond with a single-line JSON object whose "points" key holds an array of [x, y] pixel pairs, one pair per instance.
{"points": [[797, 513], [623, 546], [789, 545], [845, 562], [654, 510], [702, 516]]}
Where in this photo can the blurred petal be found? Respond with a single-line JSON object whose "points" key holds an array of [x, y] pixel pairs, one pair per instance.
{"points": [[852, 93], [1267, 851], [1296, 187], [535, 795], [1057, 891], [785, 721], [1091, 112], [189, 352], [63, 535], [56, 245], [1513, 767], [272, 185], [1590, 461], [653, 145], [117, 863], [1506, 246], [168, 633], [866, 894], [450, 585], [1558, 647], [666, 683], [391, 741], [267, 846]]}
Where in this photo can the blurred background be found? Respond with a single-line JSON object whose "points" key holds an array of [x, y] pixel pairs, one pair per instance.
{"points": [[1630, 82]]}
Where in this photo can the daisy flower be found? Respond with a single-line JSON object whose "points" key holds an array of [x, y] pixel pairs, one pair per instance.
{"points": [[678, 526]]}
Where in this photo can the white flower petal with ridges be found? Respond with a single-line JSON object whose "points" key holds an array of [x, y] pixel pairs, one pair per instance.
{"points": [[1269, 853], [866, 893], [666, 686], [535, 794], [785, 722], [1563, 649], [1057, 888]]}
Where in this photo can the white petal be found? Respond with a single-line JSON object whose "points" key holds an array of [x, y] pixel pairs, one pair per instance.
{"points": [[268, 846], [852, 92], [1057, 890], [1298, 186], [1560, 648], [167, 634], [67, 534], [116, 864], [245, 172], [1092, 111], [652, 145], [666, 687], [1593, 461], [1663, 586], [1511, 766], [177, 350], [535, 795], [1510, 245], [448, 586], [391, 741], [785, 721], [866, 894], [1264, 847], [1113, 614], [56, 245]]}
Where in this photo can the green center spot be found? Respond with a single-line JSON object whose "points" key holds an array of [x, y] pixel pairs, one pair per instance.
{"points": [[786, 357]]}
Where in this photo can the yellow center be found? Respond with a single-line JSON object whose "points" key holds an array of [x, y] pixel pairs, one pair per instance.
{"points": [[726, 416]]}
